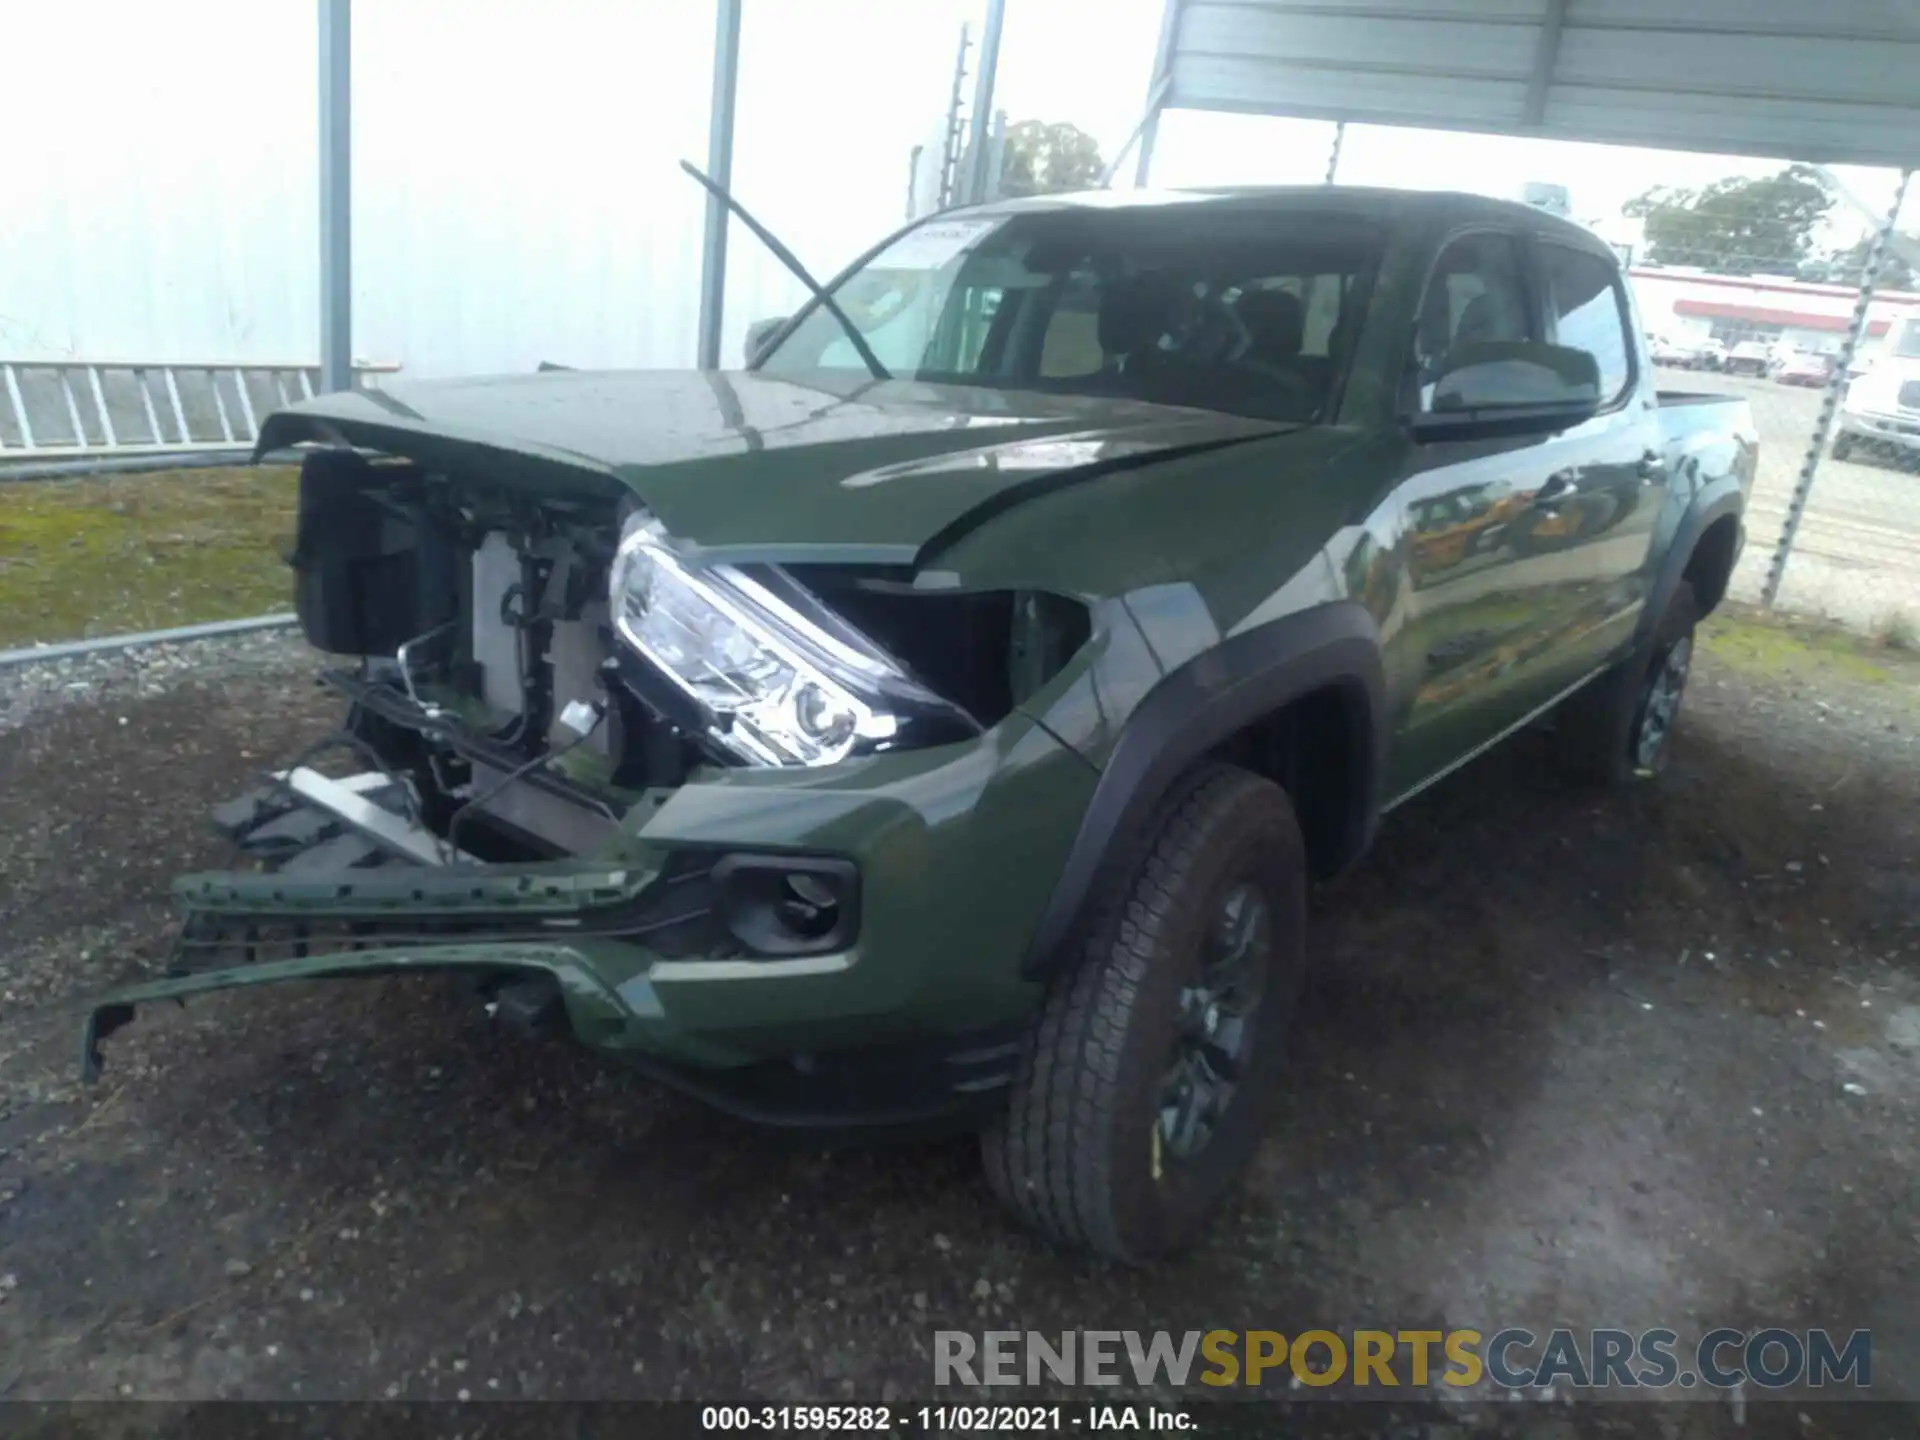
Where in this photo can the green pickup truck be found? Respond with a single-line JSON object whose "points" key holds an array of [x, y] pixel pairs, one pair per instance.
{"points": [[940, 719]]}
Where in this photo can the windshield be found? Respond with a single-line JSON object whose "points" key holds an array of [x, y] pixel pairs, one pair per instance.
{"points": [[1244, 312], [1905, 340]]}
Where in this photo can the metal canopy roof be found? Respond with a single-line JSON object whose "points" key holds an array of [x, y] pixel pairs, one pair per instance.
{"points": [[1835, 81]]}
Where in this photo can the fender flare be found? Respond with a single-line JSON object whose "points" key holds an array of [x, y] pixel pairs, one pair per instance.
{"points": [[1197, 707], [1686, 538]]}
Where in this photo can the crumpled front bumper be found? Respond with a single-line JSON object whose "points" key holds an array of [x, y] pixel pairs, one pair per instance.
{"points": [[352, 886], [897, 1084], [955, 851], [593, 1006]]}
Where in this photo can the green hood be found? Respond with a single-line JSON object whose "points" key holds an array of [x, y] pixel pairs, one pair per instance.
{"points": [[757, 467]]}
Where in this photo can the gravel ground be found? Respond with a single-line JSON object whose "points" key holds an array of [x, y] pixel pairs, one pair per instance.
{"points": [[42, 690], [1563, 1060]]}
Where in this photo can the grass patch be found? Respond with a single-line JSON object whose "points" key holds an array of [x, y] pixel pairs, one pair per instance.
{"points": [[110, 554], [1764, 642]]}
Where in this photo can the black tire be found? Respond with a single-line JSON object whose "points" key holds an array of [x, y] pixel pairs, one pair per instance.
{"points": [[1842, 446], [1617, 730], [1083, 1152]]}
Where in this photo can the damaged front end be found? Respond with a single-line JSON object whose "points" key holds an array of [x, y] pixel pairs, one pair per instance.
{"points": [[609, 783]]}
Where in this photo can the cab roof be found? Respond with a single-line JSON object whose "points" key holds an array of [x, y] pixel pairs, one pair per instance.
{"points": [[1366, 201]]}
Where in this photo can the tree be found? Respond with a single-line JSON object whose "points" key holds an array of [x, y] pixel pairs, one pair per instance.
{"points": [[1736, 226], [1843, 267], [1044, 159]]}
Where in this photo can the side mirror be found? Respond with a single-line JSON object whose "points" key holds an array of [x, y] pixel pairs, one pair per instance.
{"points": [[759, 333], [1508, 387]]}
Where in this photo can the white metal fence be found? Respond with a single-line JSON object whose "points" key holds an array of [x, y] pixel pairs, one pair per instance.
{"points": [[100, 408]]}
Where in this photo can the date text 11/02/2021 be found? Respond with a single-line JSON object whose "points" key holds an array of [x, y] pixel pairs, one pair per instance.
{"points": [[972, 1419]]}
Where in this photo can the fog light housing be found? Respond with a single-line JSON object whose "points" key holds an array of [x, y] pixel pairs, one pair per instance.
{"points": [[782, 906]]}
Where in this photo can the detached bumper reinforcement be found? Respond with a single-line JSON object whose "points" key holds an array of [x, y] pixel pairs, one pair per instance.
{"points": [[346, 800]]}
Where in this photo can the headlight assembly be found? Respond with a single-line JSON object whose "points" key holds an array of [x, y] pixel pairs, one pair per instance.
{"points": [[777, 677]]}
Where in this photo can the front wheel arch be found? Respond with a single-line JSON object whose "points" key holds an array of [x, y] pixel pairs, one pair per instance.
{"points": [[1217, 704]]}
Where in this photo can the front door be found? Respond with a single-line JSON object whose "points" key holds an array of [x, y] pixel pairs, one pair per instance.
{"points": [[1466, 665]]}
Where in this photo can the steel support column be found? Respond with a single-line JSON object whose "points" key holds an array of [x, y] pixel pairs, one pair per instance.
{"points": [[1157, 89], [336, 194], [1147, 116], [980, 119], [713, 257], [1836, 388], [1546, 58], [1149, 132], [996, 156]]}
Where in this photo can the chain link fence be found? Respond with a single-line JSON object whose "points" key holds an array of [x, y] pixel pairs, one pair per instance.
{"points": [[1760, 287]]}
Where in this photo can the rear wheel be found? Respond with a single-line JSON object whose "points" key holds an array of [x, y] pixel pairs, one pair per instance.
{"points": [[1149, 1077], [1617, 730]]}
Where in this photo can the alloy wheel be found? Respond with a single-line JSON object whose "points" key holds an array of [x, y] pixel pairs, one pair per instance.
{"points": [[1216, 1024], [1660, 703]]}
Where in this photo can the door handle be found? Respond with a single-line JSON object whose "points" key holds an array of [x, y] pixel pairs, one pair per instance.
{"points": [[1651, 467]]}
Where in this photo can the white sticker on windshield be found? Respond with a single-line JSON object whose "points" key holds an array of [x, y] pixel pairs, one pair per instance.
{"points": [[933, 244]]}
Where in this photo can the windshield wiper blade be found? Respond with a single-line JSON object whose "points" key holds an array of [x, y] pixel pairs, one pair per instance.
{"points": [[787, 258]]}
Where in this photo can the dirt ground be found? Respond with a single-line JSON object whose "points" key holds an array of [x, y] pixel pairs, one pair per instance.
{"points": [[1617, 1061]]}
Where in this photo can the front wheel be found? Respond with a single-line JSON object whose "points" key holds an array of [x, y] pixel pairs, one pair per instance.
{"points": [[1149, 1077], [1617, 730], [1842, 445]]}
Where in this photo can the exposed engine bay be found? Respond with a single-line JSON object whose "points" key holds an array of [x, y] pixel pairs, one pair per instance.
{"points": [[531, 664]]}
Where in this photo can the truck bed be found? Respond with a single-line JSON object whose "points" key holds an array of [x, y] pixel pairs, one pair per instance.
{"points": [[1673, 399], [1711, 444]]}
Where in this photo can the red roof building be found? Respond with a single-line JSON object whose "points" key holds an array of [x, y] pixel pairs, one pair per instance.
{"points": [[1732, 308]]}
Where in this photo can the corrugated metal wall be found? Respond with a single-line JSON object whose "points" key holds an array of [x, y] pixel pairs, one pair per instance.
{"points": [[516, 189]]}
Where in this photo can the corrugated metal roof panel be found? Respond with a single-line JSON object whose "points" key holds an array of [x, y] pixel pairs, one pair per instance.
{"points": [[1858, 19], [1753, 67], [1833, 82], [1421, 44], [1797, 129], [1239, 84]]}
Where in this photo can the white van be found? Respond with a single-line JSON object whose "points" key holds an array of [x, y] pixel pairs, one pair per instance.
{"points": [[1882, 407]]}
